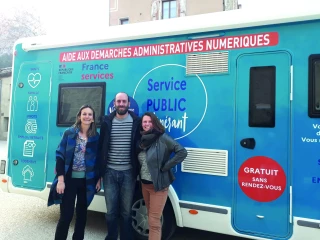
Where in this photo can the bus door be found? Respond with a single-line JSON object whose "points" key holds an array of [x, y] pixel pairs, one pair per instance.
{"points": [[29, 125], [262, 145]]}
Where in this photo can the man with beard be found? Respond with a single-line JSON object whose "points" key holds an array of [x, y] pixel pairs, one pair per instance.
{"points": [[119, 133]]}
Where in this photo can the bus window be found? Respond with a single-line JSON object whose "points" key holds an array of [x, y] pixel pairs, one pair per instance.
{"points": [[314, 86], [262, 96], [72, 96]]}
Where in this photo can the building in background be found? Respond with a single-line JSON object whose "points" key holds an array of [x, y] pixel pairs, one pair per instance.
{"points": [[5, 90], [128, 11], [231, 5], [124, 12]]}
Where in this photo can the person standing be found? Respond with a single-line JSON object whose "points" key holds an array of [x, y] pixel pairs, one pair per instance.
{"points": [[77, 175], [119, 134], [154, 151]]}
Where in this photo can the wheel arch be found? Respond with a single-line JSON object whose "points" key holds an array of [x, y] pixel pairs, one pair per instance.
{"points": [[174, 200]]}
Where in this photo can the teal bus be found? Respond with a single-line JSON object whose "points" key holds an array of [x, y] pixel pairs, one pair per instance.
{"points": [[240, 90]]}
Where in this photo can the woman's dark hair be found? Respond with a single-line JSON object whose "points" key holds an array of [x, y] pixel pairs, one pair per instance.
{"points": [[92, 131], [155, 122]]}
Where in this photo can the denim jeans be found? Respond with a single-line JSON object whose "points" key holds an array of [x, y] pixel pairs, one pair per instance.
{"points": [[118, 190]]}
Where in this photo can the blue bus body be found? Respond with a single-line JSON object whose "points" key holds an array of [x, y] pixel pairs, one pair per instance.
{"points": [[242, 98]]}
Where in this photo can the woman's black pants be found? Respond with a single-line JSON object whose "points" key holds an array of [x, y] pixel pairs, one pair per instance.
{"points": [[75, 188]]}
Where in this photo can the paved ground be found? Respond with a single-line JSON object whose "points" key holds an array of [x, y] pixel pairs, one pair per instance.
{"points": [[24, 217]]}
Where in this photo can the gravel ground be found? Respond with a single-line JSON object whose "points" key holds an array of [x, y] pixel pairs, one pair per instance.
{"points": [[29, 218], [24, 217]]}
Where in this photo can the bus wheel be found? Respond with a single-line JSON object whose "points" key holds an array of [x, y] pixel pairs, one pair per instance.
{"points": [[140, 219]]}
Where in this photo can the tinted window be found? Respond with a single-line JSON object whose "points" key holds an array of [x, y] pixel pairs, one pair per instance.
{"points": [[73, 96], [314, 86], [262, 96]]}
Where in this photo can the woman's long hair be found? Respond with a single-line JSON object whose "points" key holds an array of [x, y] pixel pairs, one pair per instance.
{"points": [[92, 131], [155, 122]]}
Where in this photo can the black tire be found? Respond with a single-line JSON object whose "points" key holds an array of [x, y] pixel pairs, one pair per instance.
{"points": [[169, 223], [140, 219]]}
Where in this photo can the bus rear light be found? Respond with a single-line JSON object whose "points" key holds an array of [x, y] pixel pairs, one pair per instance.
{"points": [[193, 212], [3, 167], [4, 180]]}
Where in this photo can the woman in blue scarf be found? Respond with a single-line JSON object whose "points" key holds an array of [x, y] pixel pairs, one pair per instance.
{"points": [[77, 173]]}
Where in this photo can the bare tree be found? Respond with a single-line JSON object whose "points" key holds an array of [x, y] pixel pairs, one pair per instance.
{"points": [[22, 23]]}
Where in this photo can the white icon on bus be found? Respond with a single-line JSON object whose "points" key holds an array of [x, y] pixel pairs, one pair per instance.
{"points": [[28, 148], [32, 105], [27, 173], [34, 79], [31, 126]]}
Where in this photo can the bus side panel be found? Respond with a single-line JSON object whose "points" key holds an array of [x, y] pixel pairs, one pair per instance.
{"points": [[198, 110], [29, 125]]}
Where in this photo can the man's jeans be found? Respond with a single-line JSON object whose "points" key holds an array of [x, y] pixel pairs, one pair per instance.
{"points": [[118, 190]]}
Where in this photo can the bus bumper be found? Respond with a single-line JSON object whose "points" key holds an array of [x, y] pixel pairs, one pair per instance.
{"points": [[4, 180]]}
